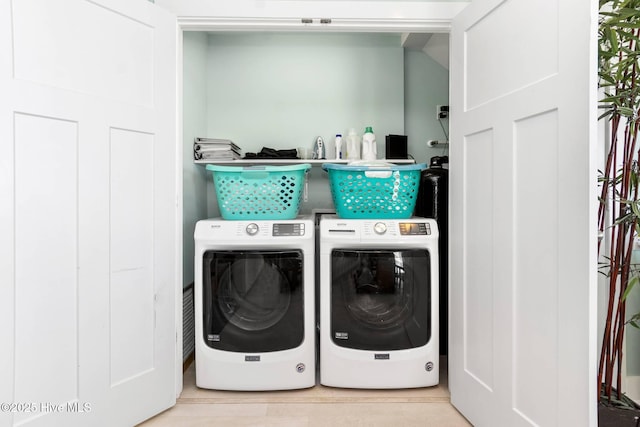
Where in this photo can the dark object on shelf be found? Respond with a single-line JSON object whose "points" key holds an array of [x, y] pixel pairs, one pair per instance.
{"points": [[396, 147], [270, 153]]}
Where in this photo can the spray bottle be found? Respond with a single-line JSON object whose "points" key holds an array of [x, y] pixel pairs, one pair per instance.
{"points": [[319, 149]]}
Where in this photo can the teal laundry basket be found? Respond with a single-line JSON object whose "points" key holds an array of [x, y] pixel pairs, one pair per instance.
{"points": [[259, 192], [376, 191]]}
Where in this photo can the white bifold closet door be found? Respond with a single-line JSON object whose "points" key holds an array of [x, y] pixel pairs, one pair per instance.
{"points": [[523, 200], [89, 211]]}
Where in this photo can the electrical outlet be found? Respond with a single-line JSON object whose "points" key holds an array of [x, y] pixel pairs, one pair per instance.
{"points": [[442, 112]]}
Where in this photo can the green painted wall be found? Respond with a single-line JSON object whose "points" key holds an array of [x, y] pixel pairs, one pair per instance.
{"points": [[282, 90], [194, 124], [426, 87]]}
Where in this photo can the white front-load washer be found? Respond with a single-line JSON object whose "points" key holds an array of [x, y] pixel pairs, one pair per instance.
{"points": [[254, 304], [378, 303]]}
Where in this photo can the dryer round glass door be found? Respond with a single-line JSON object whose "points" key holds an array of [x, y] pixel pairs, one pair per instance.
{"points": [[253, 300], [380, 299], [377, 294]]}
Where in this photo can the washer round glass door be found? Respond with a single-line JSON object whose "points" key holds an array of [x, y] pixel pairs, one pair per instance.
{"points": [[250, 294], [253, 300], [380, 299]]}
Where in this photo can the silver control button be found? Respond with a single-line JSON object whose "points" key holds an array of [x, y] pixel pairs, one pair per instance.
{"points": [[380, 227], [252, 229]]}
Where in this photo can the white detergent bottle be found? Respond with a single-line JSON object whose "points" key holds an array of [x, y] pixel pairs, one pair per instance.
{"points": [[353, 145], [338, 145], [369, 150]]}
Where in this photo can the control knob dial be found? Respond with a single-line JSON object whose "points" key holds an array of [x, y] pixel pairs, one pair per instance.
{"points": [[252, 229], [380, 227]]}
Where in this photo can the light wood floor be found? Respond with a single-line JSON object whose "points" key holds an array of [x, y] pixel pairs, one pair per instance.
{"points": [[318, 406]]}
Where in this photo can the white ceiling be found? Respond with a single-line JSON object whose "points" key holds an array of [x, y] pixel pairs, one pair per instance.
{"points": [[435, 45]]}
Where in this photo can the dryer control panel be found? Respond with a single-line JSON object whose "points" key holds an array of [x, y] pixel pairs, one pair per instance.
{"points": [[394, 228], [378, 230], [414, 228]]}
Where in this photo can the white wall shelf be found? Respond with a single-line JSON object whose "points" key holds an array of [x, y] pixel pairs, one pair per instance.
{"points": [[314, 162]]}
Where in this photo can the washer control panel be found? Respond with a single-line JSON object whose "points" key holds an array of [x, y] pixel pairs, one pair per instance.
{"points": [[288, 229], [278, 230]]}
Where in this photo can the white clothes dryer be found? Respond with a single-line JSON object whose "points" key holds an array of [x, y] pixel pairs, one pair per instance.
{"points": [[254, 304], [378, 303]]}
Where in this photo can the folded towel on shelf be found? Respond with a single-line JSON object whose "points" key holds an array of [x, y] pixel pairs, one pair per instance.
{"points": [[270, 153]]}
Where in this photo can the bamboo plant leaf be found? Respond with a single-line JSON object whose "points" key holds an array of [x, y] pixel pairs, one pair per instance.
{"points": [[613, 39], [630, 284], [634, 321], [634, 208]]}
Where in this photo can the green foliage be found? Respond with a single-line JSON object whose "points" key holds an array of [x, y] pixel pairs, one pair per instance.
{"points": [[618, 77], [619, 56], [634, 320]]}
